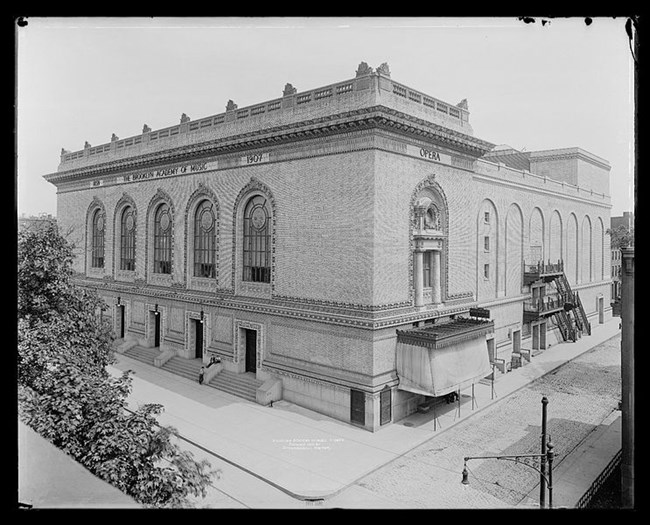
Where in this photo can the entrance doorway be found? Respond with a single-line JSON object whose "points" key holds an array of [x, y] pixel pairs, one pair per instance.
{"points": [[536, 337], [198, 339], [251, 350], [156, 330], [120, 321], [516, 341], [542, 336], [601, 310], [490, 348]]}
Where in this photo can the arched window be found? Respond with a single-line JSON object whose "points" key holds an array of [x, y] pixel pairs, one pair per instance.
{"points": [[204, 240], [97, 244], [162, 240], [127, 240], [257, 241]]}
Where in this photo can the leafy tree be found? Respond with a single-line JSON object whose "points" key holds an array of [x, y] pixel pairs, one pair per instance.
{"points": [[54, 315], [67, 395], [621, 236]]}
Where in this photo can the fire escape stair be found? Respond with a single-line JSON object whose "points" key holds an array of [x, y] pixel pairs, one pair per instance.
{"points": [[567, 310]]}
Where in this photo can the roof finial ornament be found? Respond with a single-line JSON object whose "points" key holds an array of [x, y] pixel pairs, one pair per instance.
{"points": [[64, 151], [384, 70], [114, 137], [146, 129], [87, 145], [184, 118], [363, 69], [289, 90], [462, 104], [231, 106]]}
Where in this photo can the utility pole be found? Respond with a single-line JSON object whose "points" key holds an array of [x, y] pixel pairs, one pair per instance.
{"points": [[542, 469], [627, 377]]}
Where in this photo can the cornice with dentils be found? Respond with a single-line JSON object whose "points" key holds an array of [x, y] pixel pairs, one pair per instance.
{"points": [[367, 118]]}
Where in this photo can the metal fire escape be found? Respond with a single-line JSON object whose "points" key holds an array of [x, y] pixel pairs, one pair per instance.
{"points": [[566, 307]]}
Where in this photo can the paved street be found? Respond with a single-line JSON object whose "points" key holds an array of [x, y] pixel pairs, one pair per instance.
{"points": [[285, 455], [582, 394]]}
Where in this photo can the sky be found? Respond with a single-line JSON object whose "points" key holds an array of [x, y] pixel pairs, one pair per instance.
{"points": [[532, 86]]}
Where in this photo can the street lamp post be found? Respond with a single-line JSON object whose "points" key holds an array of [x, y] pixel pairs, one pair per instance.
{"points": [[542, 481], [545, 459], [521, 459]]}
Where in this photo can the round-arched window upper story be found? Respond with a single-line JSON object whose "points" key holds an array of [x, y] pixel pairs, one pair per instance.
{"points": [[162, 240], [97, 239], [256, 241], [205, 217], [127, 239], [204, 240]]}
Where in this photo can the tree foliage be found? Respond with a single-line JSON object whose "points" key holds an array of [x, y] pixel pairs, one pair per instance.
{"points": [[621, 236], [67, 395]]}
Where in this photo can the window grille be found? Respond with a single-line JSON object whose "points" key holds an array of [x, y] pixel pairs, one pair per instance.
{"points": [[204, 241], [385, 407], [257, 241], [162, 240], [357, 407], [127, 240], [97, 255]]}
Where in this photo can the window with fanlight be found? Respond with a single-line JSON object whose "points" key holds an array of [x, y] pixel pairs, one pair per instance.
{"points": [[127, 240], [257, 241], [162, 240], [97, 242], [205, 240]]}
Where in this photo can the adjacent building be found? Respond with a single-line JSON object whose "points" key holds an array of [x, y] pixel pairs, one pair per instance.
{"points": [[354, 248], [626, 221]]}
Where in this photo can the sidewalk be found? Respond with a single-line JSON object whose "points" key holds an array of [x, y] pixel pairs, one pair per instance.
{"points": [[311, 456]]}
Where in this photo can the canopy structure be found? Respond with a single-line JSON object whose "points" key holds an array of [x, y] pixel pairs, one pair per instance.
{"points": [[437, 359]]}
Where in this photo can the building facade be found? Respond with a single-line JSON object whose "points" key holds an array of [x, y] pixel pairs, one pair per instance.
{"points": [[354, 247], [625, 221]]}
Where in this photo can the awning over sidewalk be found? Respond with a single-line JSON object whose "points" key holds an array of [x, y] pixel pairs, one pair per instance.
{"points": [[440, 358]]}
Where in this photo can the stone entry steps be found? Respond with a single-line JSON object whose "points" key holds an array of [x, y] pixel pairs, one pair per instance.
{"points": [[145, 355], [188, 368], [240, 385]]}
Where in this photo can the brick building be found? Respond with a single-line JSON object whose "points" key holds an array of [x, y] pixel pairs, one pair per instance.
{"points": [[353, 248], [625, 221]]}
